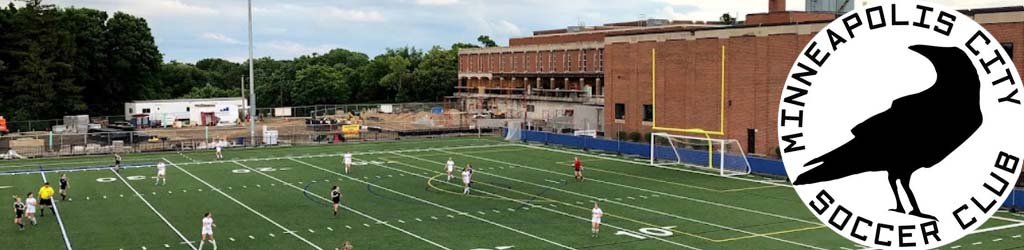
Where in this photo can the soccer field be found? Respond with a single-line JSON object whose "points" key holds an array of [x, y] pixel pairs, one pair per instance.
{"points": [[396, 197]]}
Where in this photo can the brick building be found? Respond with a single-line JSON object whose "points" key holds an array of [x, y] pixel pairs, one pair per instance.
{"points": [[609, 68]]}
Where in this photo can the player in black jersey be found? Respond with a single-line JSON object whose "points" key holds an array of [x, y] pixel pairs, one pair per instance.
{"points": [[19, 211], [64, 187], [336, 198], [117, 162]]}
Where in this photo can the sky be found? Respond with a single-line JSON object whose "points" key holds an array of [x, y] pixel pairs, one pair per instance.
{"points": [[190, 30]]}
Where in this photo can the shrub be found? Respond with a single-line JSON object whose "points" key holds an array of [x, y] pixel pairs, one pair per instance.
{"points": [[622, 135]]}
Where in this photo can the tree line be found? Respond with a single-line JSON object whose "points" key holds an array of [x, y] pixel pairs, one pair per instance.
{"points": [[60, 61]]}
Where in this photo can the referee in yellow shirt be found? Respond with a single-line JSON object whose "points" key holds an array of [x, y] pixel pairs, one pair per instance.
{"points": [[45, 199]]}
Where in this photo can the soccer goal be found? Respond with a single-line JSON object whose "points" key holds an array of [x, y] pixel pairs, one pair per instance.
{"points": [[725, 156], [514, 131]]}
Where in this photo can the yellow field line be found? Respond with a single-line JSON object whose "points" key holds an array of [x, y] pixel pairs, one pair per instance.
{"points": [[623, 217]]}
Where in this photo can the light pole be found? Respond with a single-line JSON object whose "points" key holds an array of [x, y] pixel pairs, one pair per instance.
{"points": [[252, 90]]}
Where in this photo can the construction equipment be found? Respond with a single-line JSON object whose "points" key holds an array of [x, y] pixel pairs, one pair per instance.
{"points": [[3, 126]]}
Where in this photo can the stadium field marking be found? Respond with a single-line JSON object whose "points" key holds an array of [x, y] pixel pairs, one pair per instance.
{"points": [[265, 159], [430, 183], [643, 189], [648, 164], [56, 211], [240, 203], [343, 206], [438, 205], [183, 238], [141, 157], [749, 234], [528, 205], [665, 182]]}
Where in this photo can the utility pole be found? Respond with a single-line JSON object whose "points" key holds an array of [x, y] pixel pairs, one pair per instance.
{"points": [[252, 90]]}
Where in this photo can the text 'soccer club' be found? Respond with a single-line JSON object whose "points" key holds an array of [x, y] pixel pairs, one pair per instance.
{"points": [[899, 125]]}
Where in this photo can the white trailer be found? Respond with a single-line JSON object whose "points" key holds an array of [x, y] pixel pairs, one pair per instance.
{"points": [[211, 111]]}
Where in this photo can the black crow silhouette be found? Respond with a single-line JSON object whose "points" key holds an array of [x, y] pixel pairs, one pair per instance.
{"points": [[917, 131]]}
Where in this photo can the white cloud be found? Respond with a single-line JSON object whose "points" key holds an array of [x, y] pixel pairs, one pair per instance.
{"points": [[504, 27], [218, 37], [436, 2], [352, 15], [148, 8]]}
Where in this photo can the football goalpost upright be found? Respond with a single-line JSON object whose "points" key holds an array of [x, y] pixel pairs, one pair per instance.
{"points": [[724, 156]]}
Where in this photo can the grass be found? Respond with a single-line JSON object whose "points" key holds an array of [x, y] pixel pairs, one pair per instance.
{"points": [[396, 198]]}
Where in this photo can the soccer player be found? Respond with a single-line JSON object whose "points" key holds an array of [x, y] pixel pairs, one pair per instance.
{"points": [[466, 175], [46, 199], [30, 207], [161, 173], [220, 153], [336, 198], [348, 161], [578, 167], [595, 220], [19, 211], [347, 246], [64, 187], [449, 167], [117, 164], [208, 231]]}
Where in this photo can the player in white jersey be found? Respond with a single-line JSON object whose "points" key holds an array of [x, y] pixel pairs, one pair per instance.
{"points": [[208, 231], [220, 153], [466, 175], [348, 161], [30, 207], [449, 167], [595, 220], [161, 173]]}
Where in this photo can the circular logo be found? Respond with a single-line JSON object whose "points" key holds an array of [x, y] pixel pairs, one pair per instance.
{"points": [[899, 125]]}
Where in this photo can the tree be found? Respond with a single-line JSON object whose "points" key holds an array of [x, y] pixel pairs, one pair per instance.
{"points": [[727, 19], [180, 79], [319, 84], [486, 41], [133, 65], [437, 75], [209, 91]]}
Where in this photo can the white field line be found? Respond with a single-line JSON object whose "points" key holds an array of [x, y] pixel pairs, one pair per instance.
{"points": [[648, 164], [438, 205], [56, 211], [280, 158], [541, 207], [997, 228], [242, 204], [158, 155], [345, 207], [183, 238], [647, 190], [633, 206]]}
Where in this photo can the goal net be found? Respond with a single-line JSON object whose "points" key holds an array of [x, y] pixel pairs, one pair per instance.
{"points": [[514, 131], [724, 156]]}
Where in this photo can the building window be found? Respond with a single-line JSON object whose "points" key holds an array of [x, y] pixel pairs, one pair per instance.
{"points": [[540, 66], [648, 112], [145, 111], [1009, 49], [530, 108], [583, 60], [551, 60], [131, 110], [620, 111], [188, 109], [600, 60], [524, 61], [568, 61]]}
